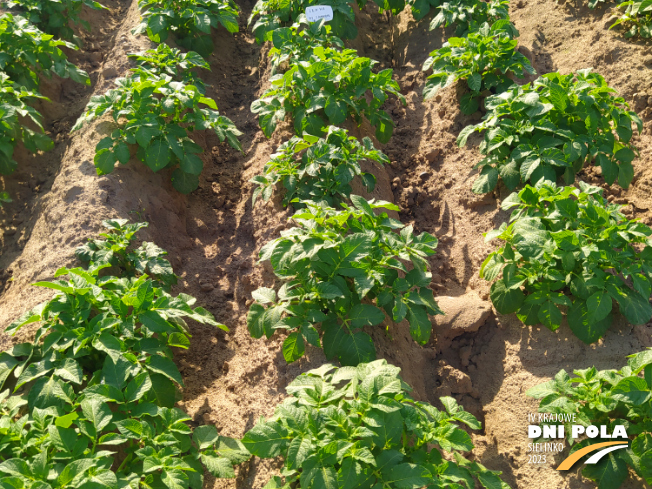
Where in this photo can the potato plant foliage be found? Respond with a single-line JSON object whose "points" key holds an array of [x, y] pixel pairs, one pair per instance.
{"points": [[14, 111], [358, 428], [551, 128], [333, 86], [341, 269], [272, 14], [607, 397], [165, 60], [469, 15], [318, 169], [26, 52], [568, 247], [157, 114], [115, 251], [189, 20], [636, 19], [397, 6], [484, 58], [93, 394], [297, 43], [55, 16], [418, 8]]}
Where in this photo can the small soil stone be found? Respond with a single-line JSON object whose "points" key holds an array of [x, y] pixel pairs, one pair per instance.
{"points": [[109, 72], [433, 155]]}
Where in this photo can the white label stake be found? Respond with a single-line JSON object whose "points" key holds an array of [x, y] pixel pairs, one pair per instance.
{"points": [[315, 13]]}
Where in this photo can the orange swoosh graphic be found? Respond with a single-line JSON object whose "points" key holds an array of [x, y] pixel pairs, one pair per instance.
{"points": [[568, 462]]}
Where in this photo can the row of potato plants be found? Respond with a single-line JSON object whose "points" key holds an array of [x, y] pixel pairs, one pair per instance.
{"points": [[28, 54], [635, 16], [158, 106], [341, 265], [89, 403], [565, 248], [344, 266], [537, 134]]}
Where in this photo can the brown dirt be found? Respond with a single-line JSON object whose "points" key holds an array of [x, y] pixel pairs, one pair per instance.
{"points": [[485, 360]]}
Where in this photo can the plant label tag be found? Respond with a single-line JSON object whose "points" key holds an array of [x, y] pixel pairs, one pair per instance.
{"points": [[315, 13]]}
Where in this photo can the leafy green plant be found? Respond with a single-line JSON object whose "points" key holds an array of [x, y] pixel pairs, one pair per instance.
{"points": [[593, 3], [550, 128], [26, 53], [73, 437], [99, 374], [358, 428], [272, 14], [189, 20], [122, 324], [157, 113], [114, 251], [637, 18], [469, 15], [13, 112], [297, 43], [55, 16], [570, 248], [165, 60], [395, 7], [340, 269], [485, 59], [421, 8], [608, 398], [316, 169], [335, 84]]}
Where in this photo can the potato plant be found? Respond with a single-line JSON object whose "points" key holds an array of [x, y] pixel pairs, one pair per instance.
{"points": [[358, 428], [568, 248], [394, 7], [165, 60], [272, 14], [469, 15], [609, 398], [551, 128], [189, 20], [14, 112], [421, 8], [27, 53], [296, 43], [341, 269], [485, 59], [335, 84], [637, 18], [92, 396], [55, 16], [157, 114], [318, 169], [115, 251]]}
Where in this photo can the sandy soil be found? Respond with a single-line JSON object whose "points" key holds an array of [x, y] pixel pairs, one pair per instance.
{"points": [[485, 360]]}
